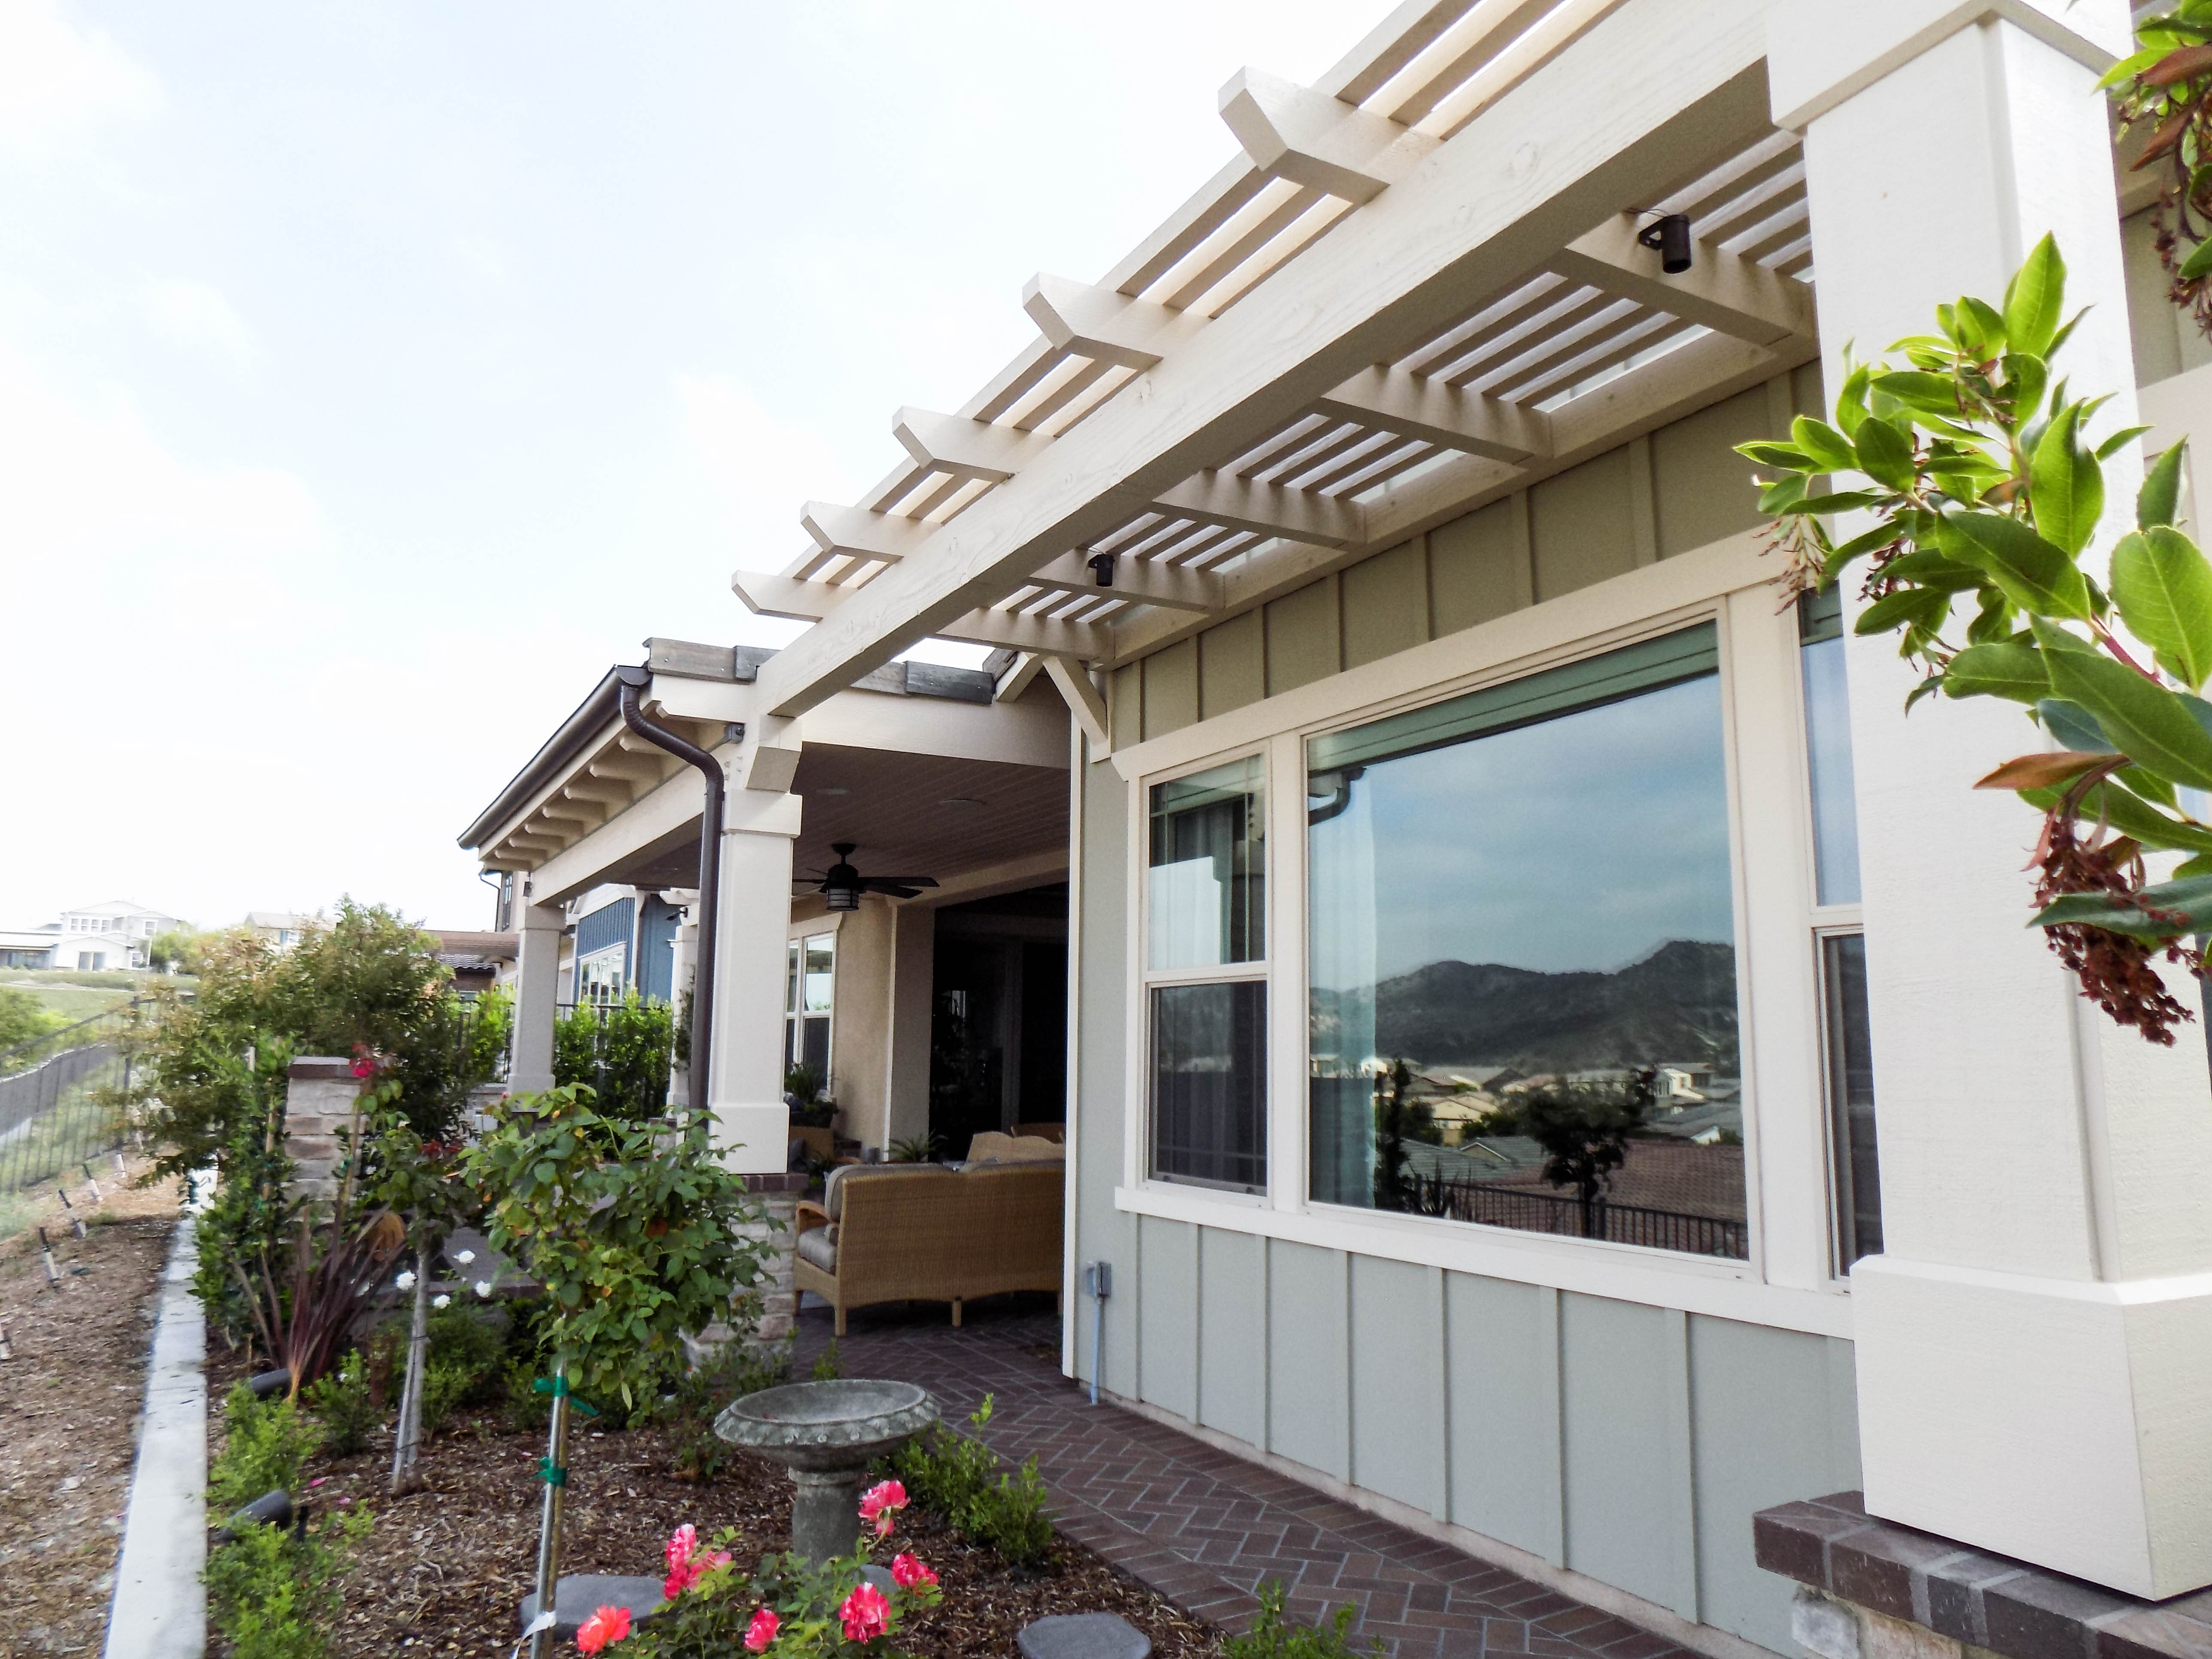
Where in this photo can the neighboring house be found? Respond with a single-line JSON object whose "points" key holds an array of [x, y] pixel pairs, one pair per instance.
{"points": [[282, 928], [32, 947], [477, 959], [106, 936], [1427, 696]]}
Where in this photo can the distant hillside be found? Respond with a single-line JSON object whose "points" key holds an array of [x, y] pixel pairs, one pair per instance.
{"points": [[1679, 1004]]}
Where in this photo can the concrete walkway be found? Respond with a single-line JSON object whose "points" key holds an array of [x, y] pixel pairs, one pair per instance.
{"points": [[1205, 1528], [160, 1609]]}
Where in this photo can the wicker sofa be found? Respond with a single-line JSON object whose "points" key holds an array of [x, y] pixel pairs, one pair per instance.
{"points": [[921, 1232]]}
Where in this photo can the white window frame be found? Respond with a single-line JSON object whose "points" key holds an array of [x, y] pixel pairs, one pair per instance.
{"points": [[1787, 1280], [1137, 1161], [832, 924]]}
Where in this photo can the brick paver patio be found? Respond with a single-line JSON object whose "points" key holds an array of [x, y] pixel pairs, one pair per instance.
{"points": [[1203, 1528]]}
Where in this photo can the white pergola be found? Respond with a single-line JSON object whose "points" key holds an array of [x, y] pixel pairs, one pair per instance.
{"points": [[1418, 289]]}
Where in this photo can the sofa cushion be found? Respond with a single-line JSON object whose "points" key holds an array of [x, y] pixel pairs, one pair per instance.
{"points": [[992, 1147], [833, 1185], [818, 1245]]}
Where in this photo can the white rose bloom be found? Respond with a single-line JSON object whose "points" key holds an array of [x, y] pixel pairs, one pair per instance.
{"points": [[405, 1281], [442, 1301], [465, 1257], [483, 1288]]}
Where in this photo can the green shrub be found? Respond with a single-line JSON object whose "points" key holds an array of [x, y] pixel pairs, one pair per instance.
{"points": [[343, 1404], [620, 1051], [962, 1480], [465, 1365], [266, 1442], [520, 1403], [446, 1389], [274, 1593], [1273, 1636], [826, 1366], [737, 1370]]}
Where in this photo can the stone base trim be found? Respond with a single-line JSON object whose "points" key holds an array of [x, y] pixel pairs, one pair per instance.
{"points": [[1660, 1621], [1874, 1589]]}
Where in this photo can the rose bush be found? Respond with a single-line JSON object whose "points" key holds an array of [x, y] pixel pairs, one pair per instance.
{"points": [[790, 1609]]}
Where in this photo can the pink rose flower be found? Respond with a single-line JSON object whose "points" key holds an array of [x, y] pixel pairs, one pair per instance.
{"points": [[607, 1624], [906, 1571], [878, 1502], [867, 1614], [762, 1631], [681, 1543]]}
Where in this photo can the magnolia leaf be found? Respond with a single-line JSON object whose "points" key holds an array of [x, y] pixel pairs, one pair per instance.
{"points": [[2163, 587], [2147, 722], [2160, 498], [2120, 440], [1921, 607], [2045, 770], [2071, 724], [2014, 672], [2066, 486], [1824, 444], [2185, 904], [2035, 575], [2035, 299], [1884, 454]]}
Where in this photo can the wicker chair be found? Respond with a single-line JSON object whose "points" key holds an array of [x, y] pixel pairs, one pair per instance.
{"points": [[921, 1233]]}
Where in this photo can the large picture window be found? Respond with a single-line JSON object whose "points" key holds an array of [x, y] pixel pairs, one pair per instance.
{"points": [[1522, 961], [1205, 987]]}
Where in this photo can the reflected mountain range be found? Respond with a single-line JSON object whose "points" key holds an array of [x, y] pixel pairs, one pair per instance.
{"points": [[1678, 1005]]}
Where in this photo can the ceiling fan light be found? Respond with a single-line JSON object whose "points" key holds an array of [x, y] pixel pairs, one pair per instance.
{"points": [[841, 897]]}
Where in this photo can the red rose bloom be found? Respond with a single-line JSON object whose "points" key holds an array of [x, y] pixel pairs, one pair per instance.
{"points": [[762, 1631], [867, 1614], [906, 1571], [607, 1624]]}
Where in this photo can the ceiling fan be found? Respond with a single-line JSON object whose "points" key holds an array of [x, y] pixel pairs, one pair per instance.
{"points": [[842, 886]]}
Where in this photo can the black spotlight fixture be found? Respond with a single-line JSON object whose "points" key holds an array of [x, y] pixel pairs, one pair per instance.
{"points": [[842, 886], [1101, 569], [1669, 232]]}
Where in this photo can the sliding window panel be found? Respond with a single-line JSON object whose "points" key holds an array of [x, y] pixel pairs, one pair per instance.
{"points": [[1209, 1083]]}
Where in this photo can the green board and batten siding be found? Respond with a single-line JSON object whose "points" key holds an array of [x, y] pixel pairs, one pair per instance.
{"points": [[1626, 1442], [1681, 488]]}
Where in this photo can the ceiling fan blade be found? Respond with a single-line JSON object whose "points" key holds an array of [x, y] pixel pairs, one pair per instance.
{"points": [[895, 892]]}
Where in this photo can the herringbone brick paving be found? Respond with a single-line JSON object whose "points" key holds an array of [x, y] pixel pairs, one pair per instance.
{"points": [[1201, 1527]]}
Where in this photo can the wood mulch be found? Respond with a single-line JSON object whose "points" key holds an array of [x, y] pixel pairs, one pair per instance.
{"points": [[444, 1569], [69, 1406]]}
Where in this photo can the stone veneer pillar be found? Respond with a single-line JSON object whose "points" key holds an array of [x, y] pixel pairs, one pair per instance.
{"points": [[2032, 1349], [318, 1100]]}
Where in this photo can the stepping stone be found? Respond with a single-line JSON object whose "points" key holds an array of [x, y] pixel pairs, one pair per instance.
{"points": [[1084, 1636], [580, 1594]]}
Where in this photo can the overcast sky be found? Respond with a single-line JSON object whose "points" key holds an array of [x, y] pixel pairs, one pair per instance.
{"points": [[373, 376]]}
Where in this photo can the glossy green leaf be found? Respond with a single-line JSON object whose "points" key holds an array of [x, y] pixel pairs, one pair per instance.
{"points": [[1786, 456], [2072, 724], [2130, 815], [1924, 607], [1931, 569], [1918, 389], [1833, 501], [2012, 672], [2197, 264], [2035, 575], [2148, 723], [2160, 498], [2035, 299], [2186, 903], [1783, 494], [2120, 440], [1884, 454], [2163, 588], [1851, 401], [1824, 444], [2065, 484]]}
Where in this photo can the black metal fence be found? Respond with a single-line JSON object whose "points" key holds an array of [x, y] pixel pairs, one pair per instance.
{"points": [[56, 1109], [1532, 1210]]}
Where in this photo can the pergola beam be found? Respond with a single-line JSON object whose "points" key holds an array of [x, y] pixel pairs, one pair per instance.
{"points": [[966, 448], [857, 533], [1539, 165], [1299, 515], [1103, 325], [1414, 406], [1167, 586], [1728, 294], [1294, 132]]}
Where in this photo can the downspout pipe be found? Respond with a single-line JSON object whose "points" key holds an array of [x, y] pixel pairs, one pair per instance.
{"points": [[633, 681]]}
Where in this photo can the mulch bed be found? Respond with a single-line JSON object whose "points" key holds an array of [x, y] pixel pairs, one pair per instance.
{"points": [[446, 1568], [68, 1404]]}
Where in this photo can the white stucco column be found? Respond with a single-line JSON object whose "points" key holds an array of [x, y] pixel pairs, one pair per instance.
{"points": [[752, 920], [682, 949], [2034, 1348], [536, 990]]}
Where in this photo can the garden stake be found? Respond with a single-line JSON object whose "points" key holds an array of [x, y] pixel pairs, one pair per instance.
{"points": [[92, 1185], [7, 1348], [555, 1474], [46, 1259], [410, 1395], [77, 1221]]}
